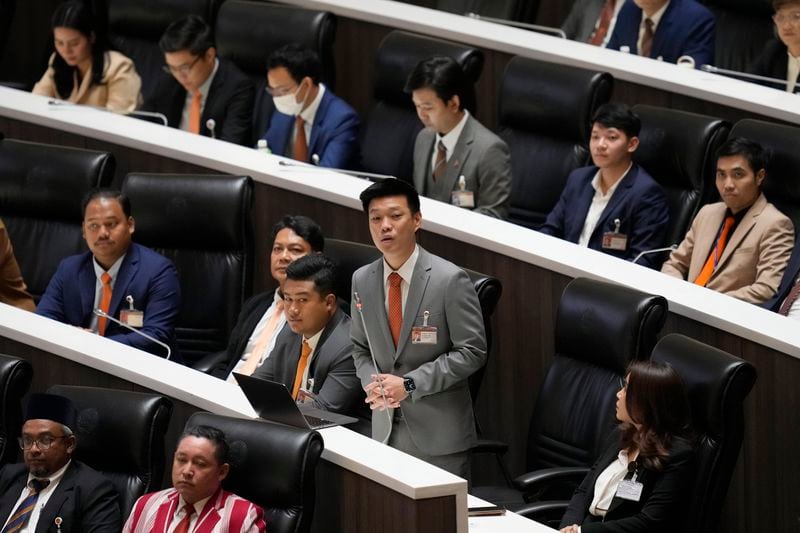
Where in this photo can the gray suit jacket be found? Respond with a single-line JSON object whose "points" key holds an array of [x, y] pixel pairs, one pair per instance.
{"points": [[582, 18], [335, 382], [439, 413], [480, 156]]}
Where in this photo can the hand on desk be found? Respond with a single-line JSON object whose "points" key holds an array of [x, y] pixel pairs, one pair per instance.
{"points": [[574, 528], [393, 388]]}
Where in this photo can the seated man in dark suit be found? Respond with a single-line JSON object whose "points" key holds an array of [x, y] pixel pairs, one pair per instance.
{"points": [[200, 92], [52, 492], [313, 356], [262, 317], [311, 123], [115, 277], [665, 29], [613, 206], [787, 300], [780, 58]]}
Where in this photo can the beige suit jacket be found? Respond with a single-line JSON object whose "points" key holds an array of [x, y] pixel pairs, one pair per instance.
{"points": [[118, 92], [12, 287], [752, 264]]}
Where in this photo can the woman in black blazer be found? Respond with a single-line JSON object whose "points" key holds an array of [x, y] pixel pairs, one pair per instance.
{"points": [[643, 481]]}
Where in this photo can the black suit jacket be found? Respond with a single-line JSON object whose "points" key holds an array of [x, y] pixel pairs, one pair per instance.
{"points": [[336, 385], [772, 63], [85, 501], [661, 508], [788, 280], [229, 103]]}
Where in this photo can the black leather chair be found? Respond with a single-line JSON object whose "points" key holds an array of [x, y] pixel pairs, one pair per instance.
{"points": [[717, 383], [273, 466], [203, 224], [742, 29], [40, 202], [135, 27], [121, 434], [15, 378], [679, 150], [782, 185], [544, 115], [389, 132], [248, 32], [600, 328]]}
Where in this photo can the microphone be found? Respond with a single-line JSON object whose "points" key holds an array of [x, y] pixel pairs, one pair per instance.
{"points": [[161, 117], [101, 313], [547, 30], [744, 75], [211, 124], [654, 251], [374, 362], [293, 165]]}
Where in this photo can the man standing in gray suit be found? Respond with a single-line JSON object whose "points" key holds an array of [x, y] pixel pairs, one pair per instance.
{"points": [[592, 21], [456, 159], [419, 317]]}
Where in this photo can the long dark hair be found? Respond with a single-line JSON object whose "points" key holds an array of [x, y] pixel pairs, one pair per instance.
{"points": [[79, 16], [656, 400]]}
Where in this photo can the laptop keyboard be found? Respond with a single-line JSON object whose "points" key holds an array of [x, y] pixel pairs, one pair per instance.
{"points": [[316, 422]]}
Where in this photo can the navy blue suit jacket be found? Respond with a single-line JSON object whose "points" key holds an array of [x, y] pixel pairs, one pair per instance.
{"points": [[639, 203], [788, 280], [148, 277], [334, 134], [685, 29]]}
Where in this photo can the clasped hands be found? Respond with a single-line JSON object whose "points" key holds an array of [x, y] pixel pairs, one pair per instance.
{"points": [[393, 389]]}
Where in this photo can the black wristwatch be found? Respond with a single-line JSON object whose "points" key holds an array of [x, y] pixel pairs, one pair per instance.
{"points": [[409, 385]]}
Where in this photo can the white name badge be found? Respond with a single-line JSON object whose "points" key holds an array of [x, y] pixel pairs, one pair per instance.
{"points": [[629, 490], [615, 241], [424, 335], [463, 199], [132, 317]]}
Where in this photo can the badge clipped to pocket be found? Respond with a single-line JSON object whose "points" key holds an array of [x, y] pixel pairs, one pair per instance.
{"points": [[462, 197], [131, 316], [630, 489], [614, 240], [424, 334]]}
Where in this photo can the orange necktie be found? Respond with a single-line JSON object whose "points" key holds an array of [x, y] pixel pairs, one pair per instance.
{"points": [[105, 302], [605, 22], [647, 39], [395, 306], [194, 112], [301, 368], [716, 252], [300, 144], [263, 341], [183, 525]]}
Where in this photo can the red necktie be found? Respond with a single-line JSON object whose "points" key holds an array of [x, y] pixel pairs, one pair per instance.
{"points": [[105, 303], [183, 525], [300, 144], [606, 15], [647, 39], [395, 306], [716, 252]]}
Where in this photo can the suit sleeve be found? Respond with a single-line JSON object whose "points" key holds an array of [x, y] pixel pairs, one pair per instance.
{"points": [[100, 509], [650, 219], [700, 44], [773, 255], [342, 147], [238, 114], [124, 85], [680, 259], [255, 520], [51, 304], [160, 313], [467, 337], [572, 24], [341, 391], [494, 181], [555, 223]]}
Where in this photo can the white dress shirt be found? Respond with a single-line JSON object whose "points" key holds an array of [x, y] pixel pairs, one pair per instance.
{"points": [[44, 497], [450, 139], [406, 272], [607, 482], [98, 286], [308, 114], [180, 513], [187, 104], [792, 71], [656, 18], [253, 340], [598, 205]]}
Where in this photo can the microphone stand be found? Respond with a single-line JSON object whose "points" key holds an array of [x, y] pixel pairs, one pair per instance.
{"points": [[148, 114], [105, 315], [745, 75], [654, 251]]}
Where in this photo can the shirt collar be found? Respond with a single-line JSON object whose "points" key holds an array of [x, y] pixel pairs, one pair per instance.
{"points": [[310, 112], [406, 271], [610, 192], [204, 88], [314, 339], [198, 505], [55, 478], [113, 271], [656, 17], [451, 137]]}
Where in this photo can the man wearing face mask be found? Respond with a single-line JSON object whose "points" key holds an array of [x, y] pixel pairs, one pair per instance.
{"points": [[311, 123]]}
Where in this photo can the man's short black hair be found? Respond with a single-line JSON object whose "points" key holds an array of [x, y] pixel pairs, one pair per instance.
{"points": [[390, 187], [188, 33], [753, 152], [222, 449], [443, 75], [314, 267], [111, 194], [304, 227], [618, 116], [298, 60]]}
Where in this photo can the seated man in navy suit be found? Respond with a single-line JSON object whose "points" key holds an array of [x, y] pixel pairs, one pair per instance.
{"points": [[127, 281], [613, 206], [665, 29], [311, 124]]}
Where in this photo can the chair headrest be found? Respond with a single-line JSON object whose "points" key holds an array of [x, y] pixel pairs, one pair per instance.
{"points": [[550, 98], [607, 325], [207, 212], [147, 19], [399, 53]]}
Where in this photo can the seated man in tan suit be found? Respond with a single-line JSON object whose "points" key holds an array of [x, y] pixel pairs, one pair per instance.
{"points": [[739, 246]]}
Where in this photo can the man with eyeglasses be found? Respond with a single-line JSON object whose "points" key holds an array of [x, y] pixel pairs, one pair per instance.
{"points": [[311, 124], [51, 491], [200, 92], [780, 58]]}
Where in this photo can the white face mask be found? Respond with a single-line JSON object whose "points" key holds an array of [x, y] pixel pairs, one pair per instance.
{"points": [[288, 104]]}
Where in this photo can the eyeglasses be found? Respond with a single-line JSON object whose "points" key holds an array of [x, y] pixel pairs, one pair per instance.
{"points": [[281, 91], [43, 443], [792, 18], [183, 70]]}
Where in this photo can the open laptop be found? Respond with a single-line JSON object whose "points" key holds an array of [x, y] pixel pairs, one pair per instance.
{"points": [[272, 401]]}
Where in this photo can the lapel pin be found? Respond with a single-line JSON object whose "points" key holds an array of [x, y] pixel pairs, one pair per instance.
{"points": [[58, 522]]}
